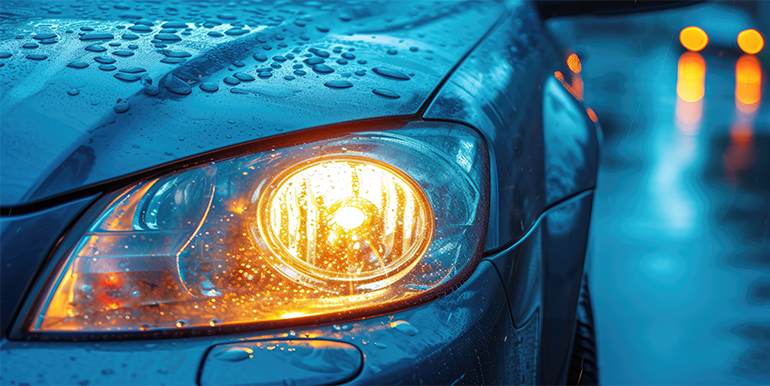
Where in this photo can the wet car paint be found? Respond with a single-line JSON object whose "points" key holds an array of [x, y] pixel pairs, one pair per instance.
{"points": [[500, 348], [91, 137]]}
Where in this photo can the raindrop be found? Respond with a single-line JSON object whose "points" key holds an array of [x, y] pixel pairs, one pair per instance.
{"points": [[342, 61], [232, 81], [322, 28], [36, 57], [322, 69], [360, 72], [127, 77], [95, 48], [260, 57], [314, 61], [380, 345], [133, 70], [44, 36], [73, 92], [140, 28], [78, 65], [177, 85], [133, 46], [345, 17], [49, 41], [97, 36], [238, 64], [336, 328], [320, 53], [236, 31], [144, 327], [348, 56], [177, 54], [279, 58], [234, 354], [181, 323], [174, 24], [405, 327], [123, 54], [215, 34], [361, 61], [5, 55], [339, 84], [130, 36], [209, 87], [121, 106], [386, 93], [299, 73], [214, 322], [168, 37], [413, 49], [107, 67], [104, 60], [242, 76], [149, 88], [345, 327], [30, 45], [172, 60], [265, 74], [391, 74], [288, 77], [392, 51]]}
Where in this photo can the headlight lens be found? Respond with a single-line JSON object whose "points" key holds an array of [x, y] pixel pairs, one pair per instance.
{"points": [[350, 224]]}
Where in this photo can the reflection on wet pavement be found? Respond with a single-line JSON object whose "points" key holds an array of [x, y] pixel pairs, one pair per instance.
{"points": [[681, 263]]}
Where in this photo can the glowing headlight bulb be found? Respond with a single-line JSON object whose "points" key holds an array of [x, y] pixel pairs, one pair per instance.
{"points": [[347, 220]]}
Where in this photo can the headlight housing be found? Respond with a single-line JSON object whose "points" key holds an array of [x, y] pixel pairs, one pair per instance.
{"points": [[358, 224]]}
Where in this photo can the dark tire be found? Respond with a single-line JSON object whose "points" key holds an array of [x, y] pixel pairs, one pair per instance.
{"points": [[583, 367]]}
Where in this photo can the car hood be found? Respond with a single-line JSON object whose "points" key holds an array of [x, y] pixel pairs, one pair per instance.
{"points": [[92, 91]]}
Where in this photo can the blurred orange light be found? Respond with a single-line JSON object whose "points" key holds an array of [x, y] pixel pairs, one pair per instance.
{"points": [[573, 62], [694, 38], [559, 76], [592, 114], [751, 41], [690, 84], [748, 83]]}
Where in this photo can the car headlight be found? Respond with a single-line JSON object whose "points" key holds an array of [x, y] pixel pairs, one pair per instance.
{"points": [[356, 224]]}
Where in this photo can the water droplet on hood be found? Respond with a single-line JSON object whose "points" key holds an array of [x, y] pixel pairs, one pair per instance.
{"points": [[386, 93], [130, 36], [107, 67], [133, 70], [97, 36], [339, 84], [322, 69], [30, 45], [104, 60], [177, 85], [405, 327], [168, 37], [95, 48], [233, 81], [391, 74], [140, 28], [209, 86], [149, 88], [78, 65], [260, 57], [318, 52], [44, 36], [121, 106], [73, 92], [234, 354], [392, 51], [127, 77], [5, 55], [36, 57], [242, 76], [123, 54]]}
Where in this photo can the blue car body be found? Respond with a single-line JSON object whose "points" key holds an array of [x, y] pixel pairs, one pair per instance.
{"points": [[72, 133]]}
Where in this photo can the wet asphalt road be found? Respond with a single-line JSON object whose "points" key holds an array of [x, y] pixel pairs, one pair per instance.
{"points": [[681, 256]]}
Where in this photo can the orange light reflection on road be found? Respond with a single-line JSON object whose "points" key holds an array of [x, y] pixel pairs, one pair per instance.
{"points": [[748, 83], [693, 38], [751, 41], [592, 114], [690, 88]]}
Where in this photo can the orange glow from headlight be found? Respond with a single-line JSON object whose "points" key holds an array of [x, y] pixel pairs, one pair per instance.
{"points": [[751, 41], [573, 62], [346, 220], [690, 84], [693, 38], [748, 83]]}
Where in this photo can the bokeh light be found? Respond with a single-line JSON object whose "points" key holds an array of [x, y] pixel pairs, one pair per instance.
{"points": [[693, 38], [751, 41]]}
